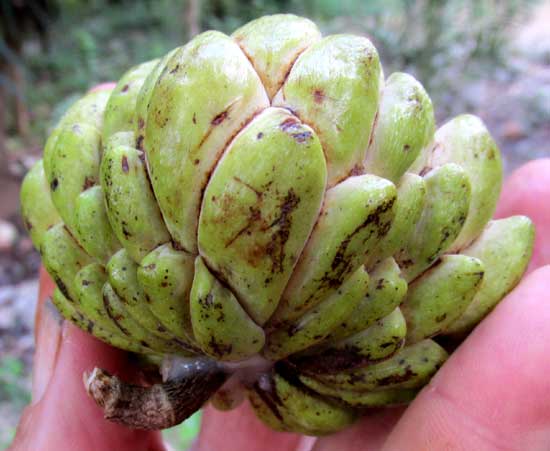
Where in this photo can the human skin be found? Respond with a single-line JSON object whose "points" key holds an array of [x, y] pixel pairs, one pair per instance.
{"points": [[492, 394]]}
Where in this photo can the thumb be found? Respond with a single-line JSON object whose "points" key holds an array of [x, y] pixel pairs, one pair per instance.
{"points": [[63, 417]]}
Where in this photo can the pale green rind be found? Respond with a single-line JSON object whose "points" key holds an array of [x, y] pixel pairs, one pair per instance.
{"points": [[91, 225], [89, 283], [312, 414], [379, 398], [356, 214], [446, 206], [121, 107], [412, 367], [221, 327], [73, 167], [465, 141], [286, 407], [366, 399], [131, 206], [87, 110], [378, 342], [68, 311], [264, 411], [386, 291], [131, 328], [37, 210], [441, 295], [404, 126], [63, 258], [317, 323], [272, 44], [166, 276], [411, 194], [260, 206], [122, 272], [334, 87], [505, 248], [203, 97], [144, 97]]}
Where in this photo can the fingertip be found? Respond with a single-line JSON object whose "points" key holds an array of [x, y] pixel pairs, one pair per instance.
{"points": [[493, 391], [527, 192], [107, 86], [246, 432]]}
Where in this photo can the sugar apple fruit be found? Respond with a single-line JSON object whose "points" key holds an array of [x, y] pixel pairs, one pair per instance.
{"points": [[266, 217]]}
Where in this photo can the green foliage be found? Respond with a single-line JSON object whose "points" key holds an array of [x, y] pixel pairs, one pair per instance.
{"points": [[181, 437], [11, 387], [444, 44]]}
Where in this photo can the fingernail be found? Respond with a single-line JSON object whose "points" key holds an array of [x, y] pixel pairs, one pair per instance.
{"points": [[306, 443]]}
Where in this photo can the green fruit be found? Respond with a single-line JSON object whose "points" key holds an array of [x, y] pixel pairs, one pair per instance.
{"points": [[265, 217]]}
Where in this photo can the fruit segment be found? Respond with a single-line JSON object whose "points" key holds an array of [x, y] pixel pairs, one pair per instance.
{"points": [[505, 248], [260, 206], [441, 295], [334, 87], [203, 97], [37, 209], [272, 44], [404, 126], [221, 326], [445, 209], [131, 206], [356, 214]]}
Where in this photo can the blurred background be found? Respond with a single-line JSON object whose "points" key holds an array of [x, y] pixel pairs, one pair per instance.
{"points": [[487, 57]]}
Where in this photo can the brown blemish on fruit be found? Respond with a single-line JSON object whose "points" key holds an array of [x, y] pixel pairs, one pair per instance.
{"points": [[88, 183], [254, 215], [397, 378], [124, 164], [139, 142], [356, 170], [292, 127], [115, 318], [220, 117], [374, 123], [440, 318], [62, 287], [125, 88], [424, 171], [220, 349], [318, 95], [54, 184], [257, 192], [276, 246]]}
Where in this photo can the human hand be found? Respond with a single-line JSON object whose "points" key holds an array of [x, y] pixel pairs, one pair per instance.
{"points": [[492, 394]]}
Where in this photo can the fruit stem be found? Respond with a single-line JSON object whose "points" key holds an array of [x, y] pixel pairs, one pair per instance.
{"points": [[158, 406]]}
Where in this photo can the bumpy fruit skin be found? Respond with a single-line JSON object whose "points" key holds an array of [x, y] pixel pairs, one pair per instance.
{"points": [[278, 222]]}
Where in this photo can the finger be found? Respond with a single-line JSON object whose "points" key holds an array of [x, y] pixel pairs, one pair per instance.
{"points": [[47, 335], [526, 192], [65, 418], [103, 87], [369, 434], [241, 430], [494, 392]]}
